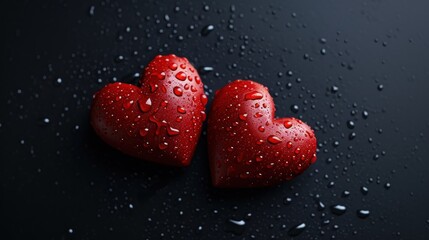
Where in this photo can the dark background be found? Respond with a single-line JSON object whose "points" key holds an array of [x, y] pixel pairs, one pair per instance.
{"points": [[333, 59]]}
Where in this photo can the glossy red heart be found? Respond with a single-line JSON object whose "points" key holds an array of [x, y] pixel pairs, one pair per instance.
{"points": [[248, 147], [161, 120]]}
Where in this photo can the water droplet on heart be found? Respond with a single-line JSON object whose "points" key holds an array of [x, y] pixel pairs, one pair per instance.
{"points": [[160, 76], [287, 124], [163, 145], [289, 144], [164, 103], [253, 95], [259, 158], [179, 119], [274, 139], [181, 110], [173, 66], [204, 99], [203, 115], [183, 66], [363, 213], [244, 175], [296, 230], [243, 116], [261, 128], [338, 209], [313, 158], [145, 104], [258, 115], [193, 89], [143, 131], [153, 86], [181, 76], [128, 104], [117, 98], [173, 131], [297, 150], [197, 79], [178, 91]]}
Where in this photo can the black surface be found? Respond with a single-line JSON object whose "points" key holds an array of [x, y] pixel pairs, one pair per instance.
{"points": [[59, 181]]}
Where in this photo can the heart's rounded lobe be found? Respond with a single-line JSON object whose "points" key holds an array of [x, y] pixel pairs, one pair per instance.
{"points": [[248, 147], [159, 121]]}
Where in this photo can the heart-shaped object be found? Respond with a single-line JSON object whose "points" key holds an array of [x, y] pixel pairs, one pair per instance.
{"points": [[161, 120], [248, 147]]}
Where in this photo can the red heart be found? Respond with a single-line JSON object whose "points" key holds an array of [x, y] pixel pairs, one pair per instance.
{"points": [[248, 147], [161, 120]]}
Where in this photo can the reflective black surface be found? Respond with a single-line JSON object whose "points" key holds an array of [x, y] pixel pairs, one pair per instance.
{"points": [[356, 71]]}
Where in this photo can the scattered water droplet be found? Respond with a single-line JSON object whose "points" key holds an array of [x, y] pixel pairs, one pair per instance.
{"points": [[296, 230], [338, 209], [207, 30], [236, 227], [363, 213]]}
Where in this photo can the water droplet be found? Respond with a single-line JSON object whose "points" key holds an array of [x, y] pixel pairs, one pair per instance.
{"points": [[289, 144], [143, 131], [253, 95], [160, 76], [236, 227], [338, 209], [206, 70], [274, 139], [387, 185], [207, 30], [363, 213], [350, 124], [128, 104], [243, 116], [320, 205], [365, 114], [181, 110], [261, 128], [258, 115], [296, 230], [345, 193], [181, 76], [380, 87], [287, 124], [178, 91], [173, 66], [163, 145], [294, 108], [153, 87], [145, 104], [204, 99], [364, 190], [173, 131]]}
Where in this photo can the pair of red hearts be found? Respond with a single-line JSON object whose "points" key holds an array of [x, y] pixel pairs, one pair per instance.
{"points": [[161, 121]]}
